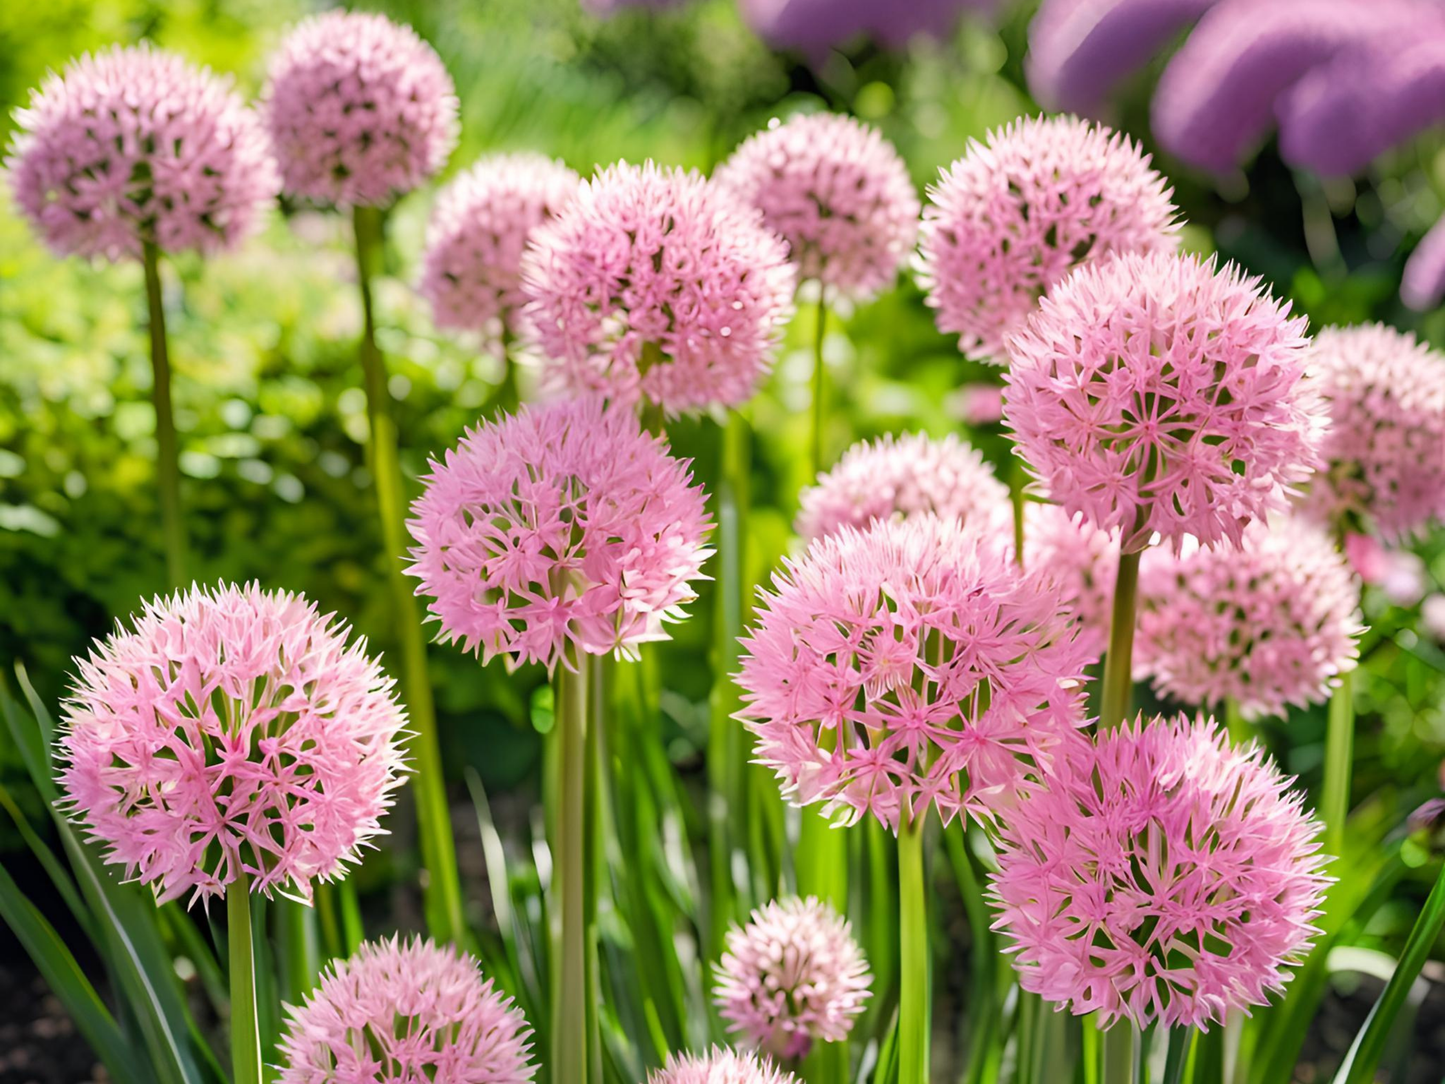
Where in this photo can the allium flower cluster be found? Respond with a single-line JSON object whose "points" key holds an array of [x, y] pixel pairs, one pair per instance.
{"points": [[1268, 624], [559, 531], [1081, 560], [791, 976], [231, 732], [837, 192], [655, 282], [138, 145], [472, 266], [907, 666], [720, 1067], [1158, 394], [905, 476], [1018, 213], [815, 27], [401, 1012], [1162, 875], [360, 109], [1385, 448]]}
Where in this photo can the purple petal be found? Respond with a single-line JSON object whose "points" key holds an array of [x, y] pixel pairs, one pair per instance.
{"points": [[1424, 283], [817, 25]]}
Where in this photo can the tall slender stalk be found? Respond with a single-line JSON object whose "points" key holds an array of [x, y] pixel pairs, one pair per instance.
{"points": [[1118, 663], [819, 387], [1017, 480], [168, 467], [1117, 1046], [1339, 751], [571, 1026], [1235, 722], [245, 1031], [914, 991], [443, 888]]}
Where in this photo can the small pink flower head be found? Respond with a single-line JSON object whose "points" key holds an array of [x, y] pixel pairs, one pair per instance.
{"points": [[1269, 624], [907, 666], [1017, 214], [361, 110], [791, 976], [720, 1066], [1081, 560], [906, 476], [1158, 394], [656, 283], [231, 731], [472, 266], [402, 1012], [1385, 448], [562, 530], [1163, 874], [135, 145], [837, 192], [977, 405]]}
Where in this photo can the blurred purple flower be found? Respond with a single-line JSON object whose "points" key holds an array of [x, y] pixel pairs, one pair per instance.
{"points": [[608, 8], [815, 26], [1423, 286]]}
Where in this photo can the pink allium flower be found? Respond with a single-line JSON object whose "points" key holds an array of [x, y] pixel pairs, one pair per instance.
{"points": [[655, 282], [791, 976], [403, 1012], [1160, 394], [1017, 214], [360, 109], [1162, 875], [720, 1067], [472, 266], [561, 530], [906, 476], [1385, 449], [837, 192], [906, 666], [135, 145], [978, 404], [1270, 623], [1081, 561], [1432, 620], [231, 731]]}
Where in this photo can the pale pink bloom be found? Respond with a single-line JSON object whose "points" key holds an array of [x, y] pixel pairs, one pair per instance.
{"points": [[472, 266], [231, 731], [907, 666], [561, 531], [1019, 212], [1367, 556], [978, 404], [837, 192], [719, 1066], [791, 976], [1385, 448], [1432, 620], [360, 109], [1269, 624], [1405, 579], [654, 282], [1082, 563], [905, 476], [406, 1012], [1161, 875], [135, 145], [1160, 395]]}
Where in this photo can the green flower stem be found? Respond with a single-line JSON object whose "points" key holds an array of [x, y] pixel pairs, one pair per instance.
{"points": [[443, 887], [1017, 481], [245, 1030], [571, 1001], [819, 388], [914, 990], [168, 468], [1339, 751], [1235, 722], [1118, 663], [1117, 1046]]}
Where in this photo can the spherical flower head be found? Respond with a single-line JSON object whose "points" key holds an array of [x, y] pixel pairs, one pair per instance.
{"points": [[1163, 875], [472, 266], [1268, 624], [231, 732], [907, 666], [360, 110], [1158, 394], [400, 1012], [137, 145], [837, 192], [556, 532], [1385, 449], [720, 1067], [905, 476], [1018, 213], [791, 976], [1081, 560], [656, 283]]}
